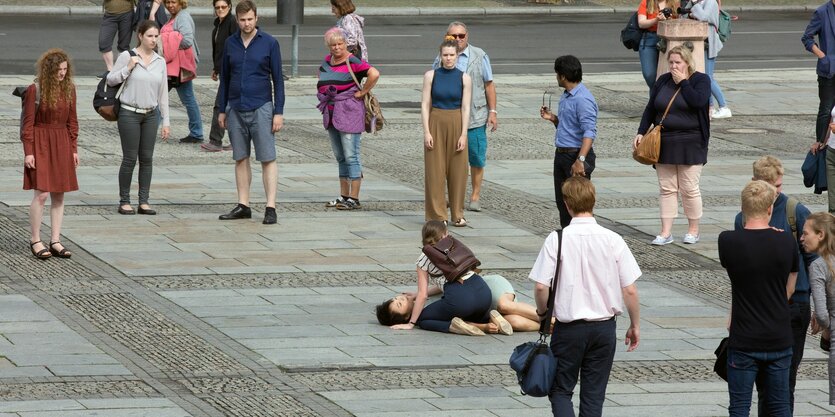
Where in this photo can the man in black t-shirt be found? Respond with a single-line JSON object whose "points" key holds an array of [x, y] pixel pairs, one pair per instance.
{"points": [[762, 265]]}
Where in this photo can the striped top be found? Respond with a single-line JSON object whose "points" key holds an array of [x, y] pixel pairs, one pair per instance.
{"points": [[338, 75], [436, 277]]}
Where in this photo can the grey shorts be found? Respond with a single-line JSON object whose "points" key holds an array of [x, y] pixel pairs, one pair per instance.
{"points": [[112, 25], [248, 128]]}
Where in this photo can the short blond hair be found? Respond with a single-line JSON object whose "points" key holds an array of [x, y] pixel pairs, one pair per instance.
{"points": [[757, 197], [768, 169]]}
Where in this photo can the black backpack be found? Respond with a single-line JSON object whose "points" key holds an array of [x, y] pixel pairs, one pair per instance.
{"points": [[105, 98], [631, 35], [143, 12], [21, 92]]}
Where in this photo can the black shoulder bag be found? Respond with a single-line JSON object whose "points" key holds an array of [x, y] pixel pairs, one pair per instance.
{"points": [[534, 363]]}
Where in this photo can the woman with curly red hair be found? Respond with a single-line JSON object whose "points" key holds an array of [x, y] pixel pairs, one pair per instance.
{"points": [[50, 143]]}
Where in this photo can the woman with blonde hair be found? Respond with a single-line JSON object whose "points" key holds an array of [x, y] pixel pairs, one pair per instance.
{"points": [[50, 145], [684, 140], [341, 93], [650, 12], [819, 237]]}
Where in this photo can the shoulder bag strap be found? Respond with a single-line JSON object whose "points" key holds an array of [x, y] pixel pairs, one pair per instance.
{"points": [[124, 83], [350, 70], [546, 323], [670, 104]]}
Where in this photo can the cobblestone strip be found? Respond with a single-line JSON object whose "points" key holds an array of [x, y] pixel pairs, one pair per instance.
{"points": [[631, 372], [72, 388]]}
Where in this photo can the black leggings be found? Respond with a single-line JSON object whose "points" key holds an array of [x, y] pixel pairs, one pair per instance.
{"points": [[469, 300]]}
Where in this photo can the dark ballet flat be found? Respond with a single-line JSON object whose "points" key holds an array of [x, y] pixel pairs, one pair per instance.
{"points": [[149, 212], [126, 211]]}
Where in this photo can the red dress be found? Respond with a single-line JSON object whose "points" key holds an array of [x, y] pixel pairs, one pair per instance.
{"points": [[51, 136]]}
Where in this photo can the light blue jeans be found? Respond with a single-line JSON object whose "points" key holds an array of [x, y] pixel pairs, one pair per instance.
{"points": [[195, 122], [648, 54], [715, 91], [346, 150]]}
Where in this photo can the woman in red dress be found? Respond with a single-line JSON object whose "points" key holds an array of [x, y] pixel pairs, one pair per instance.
{"points": [[50, 142]]}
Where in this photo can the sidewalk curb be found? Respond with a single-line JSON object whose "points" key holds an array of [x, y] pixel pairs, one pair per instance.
{"points": [[401, 11]]}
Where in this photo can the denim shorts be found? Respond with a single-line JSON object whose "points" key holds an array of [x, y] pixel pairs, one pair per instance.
{"points": [[477, 146], [247, 128]]}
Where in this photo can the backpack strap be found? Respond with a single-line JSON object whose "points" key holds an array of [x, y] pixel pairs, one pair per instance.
{"points": [[791, 214]]}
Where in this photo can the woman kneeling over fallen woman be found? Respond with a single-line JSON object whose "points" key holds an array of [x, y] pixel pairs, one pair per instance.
{"points": [[470, 305]]}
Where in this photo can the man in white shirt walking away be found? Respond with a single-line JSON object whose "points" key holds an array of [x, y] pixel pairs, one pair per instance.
{"points": [[597, 278]]}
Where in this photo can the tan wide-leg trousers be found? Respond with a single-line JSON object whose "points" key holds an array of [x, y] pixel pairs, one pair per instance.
{"points": [[444, 167]]}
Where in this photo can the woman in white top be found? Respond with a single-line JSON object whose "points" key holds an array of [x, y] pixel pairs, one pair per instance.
{"points": [[144, 101]]}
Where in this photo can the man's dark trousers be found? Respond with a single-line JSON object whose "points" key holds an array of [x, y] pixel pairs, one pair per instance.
{"points": [[801, 316], [826, 94], [562, 171], [587, 349]]}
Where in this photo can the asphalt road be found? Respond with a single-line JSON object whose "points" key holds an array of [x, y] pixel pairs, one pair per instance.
{"points": [[407, 45]]}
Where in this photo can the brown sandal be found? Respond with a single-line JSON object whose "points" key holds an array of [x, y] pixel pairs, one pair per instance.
{"points": [[63, 253], [42, 254]]}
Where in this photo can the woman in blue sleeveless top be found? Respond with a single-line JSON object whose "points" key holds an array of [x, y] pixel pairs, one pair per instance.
{"points": [[445, 113]]}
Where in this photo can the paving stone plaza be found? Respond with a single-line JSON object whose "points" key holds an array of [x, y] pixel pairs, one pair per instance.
{"points": [[180, 314]]}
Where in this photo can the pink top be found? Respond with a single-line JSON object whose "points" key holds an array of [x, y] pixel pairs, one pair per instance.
{"points": [[596, 265]]}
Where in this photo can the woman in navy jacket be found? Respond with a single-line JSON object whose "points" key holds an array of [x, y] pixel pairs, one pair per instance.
{"points": [[684, 140]]}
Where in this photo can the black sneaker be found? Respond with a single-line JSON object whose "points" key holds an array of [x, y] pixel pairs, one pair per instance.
{"points": [[239, 212], [191, 139], [270, 216]]}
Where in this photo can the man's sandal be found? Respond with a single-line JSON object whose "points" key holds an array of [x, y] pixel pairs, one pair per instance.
{"points": [[62, 253], [42, 254]]}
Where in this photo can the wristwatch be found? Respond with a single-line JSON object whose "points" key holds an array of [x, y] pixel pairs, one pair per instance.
{"points": [[582, 158]]}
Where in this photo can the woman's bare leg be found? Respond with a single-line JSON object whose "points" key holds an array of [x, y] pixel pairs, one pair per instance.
{"points": [[509, 306]]}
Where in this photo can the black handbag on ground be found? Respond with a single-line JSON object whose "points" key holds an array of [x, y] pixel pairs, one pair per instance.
{"points": [[534, 363], [452, 257]]}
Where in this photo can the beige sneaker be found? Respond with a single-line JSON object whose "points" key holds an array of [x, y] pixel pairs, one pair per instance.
{"points": [[458, 326], [504, 326]]}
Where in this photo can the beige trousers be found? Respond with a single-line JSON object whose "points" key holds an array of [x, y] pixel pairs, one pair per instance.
{"points": [[444, 167], [683, 180]]}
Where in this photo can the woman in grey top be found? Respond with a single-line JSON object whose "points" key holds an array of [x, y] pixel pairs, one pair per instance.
{"points": [[145, 91], [819, 237]]}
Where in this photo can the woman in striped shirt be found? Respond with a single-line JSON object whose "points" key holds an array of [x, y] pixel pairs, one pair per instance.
{"points": [[340, 95]]}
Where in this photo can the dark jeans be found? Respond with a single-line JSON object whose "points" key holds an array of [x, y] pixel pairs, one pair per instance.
{"points": [[826, 93], [216, 133], [138, 133], [562, 172], [587, 349], [801, 316], [744, 367], [469, 301]]}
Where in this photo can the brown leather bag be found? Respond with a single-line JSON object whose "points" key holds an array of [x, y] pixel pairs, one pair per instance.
{"points": [[452, 257], [649, 150]]}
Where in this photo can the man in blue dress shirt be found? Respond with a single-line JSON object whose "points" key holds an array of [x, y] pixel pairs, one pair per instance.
{"points": [[576, 125], [250, 76]]}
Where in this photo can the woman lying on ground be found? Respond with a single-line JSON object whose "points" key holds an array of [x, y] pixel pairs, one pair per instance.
{"points": [[470, 305]]}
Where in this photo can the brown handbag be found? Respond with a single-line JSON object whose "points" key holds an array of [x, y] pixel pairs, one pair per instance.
{"points": [[649, 150], [452, 257], [374, 120]]}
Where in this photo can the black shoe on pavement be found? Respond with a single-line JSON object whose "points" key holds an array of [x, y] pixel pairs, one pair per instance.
{"points": [[239, 212], [191, 139], [269, 216]]}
